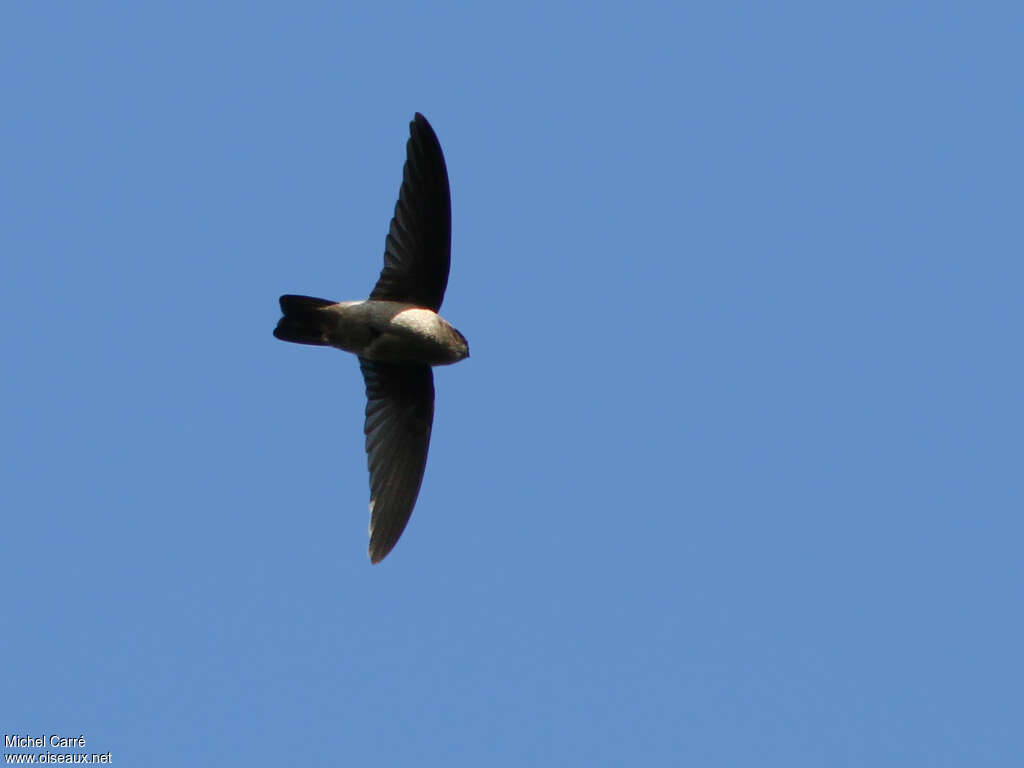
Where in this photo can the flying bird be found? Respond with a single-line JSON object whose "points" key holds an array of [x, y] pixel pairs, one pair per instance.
{"points": [[397, 334]]}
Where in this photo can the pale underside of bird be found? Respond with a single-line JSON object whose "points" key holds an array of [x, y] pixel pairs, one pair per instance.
{"points": [[397, 335]]}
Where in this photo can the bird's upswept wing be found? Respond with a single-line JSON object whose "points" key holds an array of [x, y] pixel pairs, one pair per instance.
{"points": [[399, 415], [417, 252]]}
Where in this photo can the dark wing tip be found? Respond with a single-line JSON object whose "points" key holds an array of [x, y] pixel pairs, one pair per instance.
{"points": [[386, 530], [378, 551], [422, 131]]}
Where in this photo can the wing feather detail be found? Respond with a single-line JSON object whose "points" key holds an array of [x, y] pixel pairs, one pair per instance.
{"points": [[417, 251], [399, 417]]}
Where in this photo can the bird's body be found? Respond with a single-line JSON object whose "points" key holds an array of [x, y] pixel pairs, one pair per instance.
{"points": [[397, 334], [390, 332]]}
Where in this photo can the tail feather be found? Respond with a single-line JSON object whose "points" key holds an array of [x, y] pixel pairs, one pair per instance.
{"points": [[302, 322]]}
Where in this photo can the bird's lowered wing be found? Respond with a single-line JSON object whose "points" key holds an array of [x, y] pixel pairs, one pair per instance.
{"points": [[399, 414]]}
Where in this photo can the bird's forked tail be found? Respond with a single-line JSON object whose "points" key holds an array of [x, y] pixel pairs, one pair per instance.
{"points": [[303, 321]]}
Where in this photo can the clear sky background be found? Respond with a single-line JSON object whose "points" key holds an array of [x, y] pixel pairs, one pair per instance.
{"points": [[733, 476]]}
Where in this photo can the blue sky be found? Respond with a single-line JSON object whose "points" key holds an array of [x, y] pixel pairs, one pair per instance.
{"points": [[733, 476]]}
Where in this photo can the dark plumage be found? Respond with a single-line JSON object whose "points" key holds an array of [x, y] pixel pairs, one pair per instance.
{"points": [[397, 335]]}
